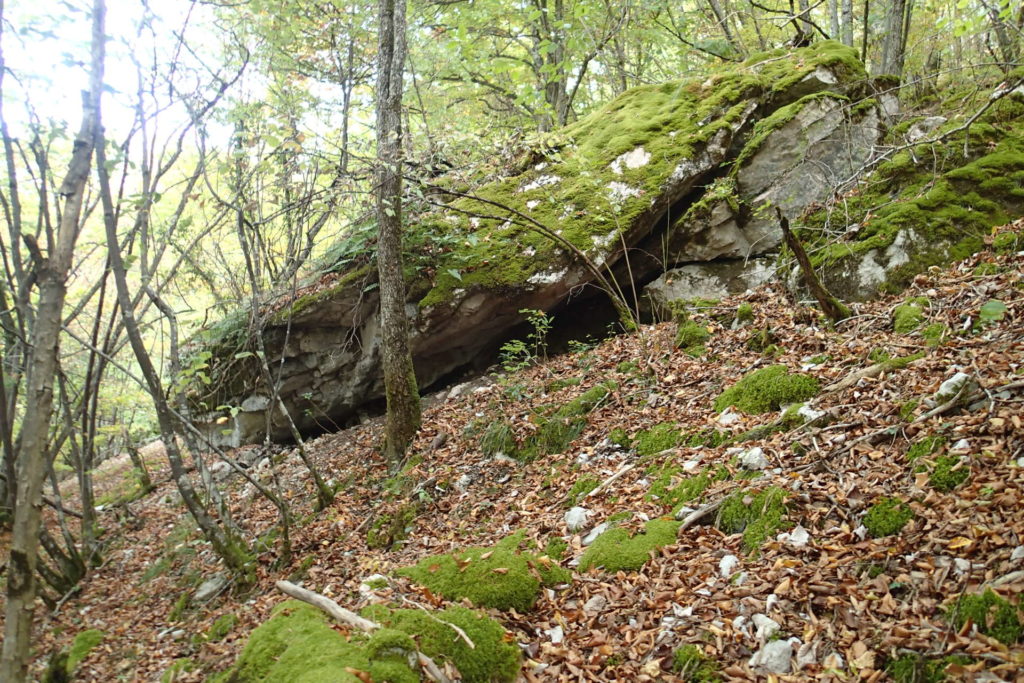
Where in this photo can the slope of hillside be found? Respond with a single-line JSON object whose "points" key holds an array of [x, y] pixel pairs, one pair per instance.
{"points": [[876, 533]]}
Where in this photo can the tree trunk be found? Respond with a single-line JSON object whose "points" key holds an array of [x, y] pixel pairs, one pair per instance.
{"points": [[847, 22], [32, 465], [893, 40], [403, 403]]}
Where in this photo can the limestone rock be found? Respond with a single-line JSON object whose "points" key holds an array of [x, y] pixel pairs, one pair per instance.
{"points": [[576, 518], [209, 589], [773, 657]]}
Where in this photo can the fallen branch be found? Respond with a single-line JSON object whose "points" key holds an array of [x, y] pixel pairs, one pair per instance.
{"points": [[339, 613], [700, 514], [608, 482]]}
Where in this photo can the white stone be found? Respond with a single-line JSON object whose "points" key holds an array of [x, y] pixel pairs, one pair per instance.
{"points": [[1017, 554], [951, 387], [540, 182], [727, 564], [595, 604], [595, 532], [962, 445], [798, 537], [547, 277], [766, 627], [366, 591], [620, 192], [556, 634], [576, 518], [753, 459], [809, 414], [636, 158], [962, 565], [729, 417], [834, 662], [770, 602], [210, 588], [532, 204], [773, 657], [255, 403], [807, 655], [220, 470]]}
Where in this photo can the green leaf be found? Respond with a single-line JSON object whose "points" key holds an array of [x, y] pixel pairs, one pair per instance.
{"points": [[993, 311], [243, 354], [455, 274]]}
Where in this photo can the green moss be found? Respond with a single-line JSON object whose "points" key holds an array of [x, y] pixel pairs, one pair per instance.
{"points": [[619, 437], [909, 315], [556, 548], [506, 578], [935, 333], [1008, 242], [389, 529], [179, 608], [907, 409], [298, 644], [559, 384], [179, 666], [767, 389], [915, 668], [758, 515], [948, 473], [83, 644], [498, 438], [745, 313], [690, 337], [495, 659], [993, 615], [616, 550], [658, 438], [887, 517], [580, 488], [985, 269], [925, 446], [221, 628], [671, 490], [627, 367], [690, 662], [761, 340]]}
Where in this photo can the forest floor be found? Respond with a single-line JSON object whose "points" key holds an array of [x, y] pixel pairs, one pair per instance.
{"points": [[853, 606]]}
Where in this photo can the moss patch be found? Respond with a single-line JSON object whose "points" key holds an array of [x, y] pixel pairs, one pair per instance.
{"points": [[658, 438], [909, 315], [949, 472], [390, 528], [768, 389], [914, 668], [759, 515], [83, 644], [671, 490], [925, 446], [887, 517], [502, 577], [690, 337], [993, 615], [580, 488], [692, 664], [616, 550]]}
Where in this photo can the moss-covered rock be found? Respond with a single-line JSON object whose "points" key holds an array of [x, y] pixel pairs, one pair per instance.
{"points": [[993, 615], [690, 337], [616, 549], [768, 389], [298, 645], [948, 472], [758, 514], [887, 517], [503, 576]]}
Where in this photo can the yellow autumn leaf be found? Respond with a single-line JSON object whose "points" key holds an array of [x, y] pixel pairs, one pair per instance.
{"points": [[960, 542]]}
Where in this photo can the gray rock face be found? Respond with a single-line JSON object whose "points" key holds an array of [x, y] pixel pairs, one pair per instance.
{"points": [[773, 657], [209, 589], [713, 280]]}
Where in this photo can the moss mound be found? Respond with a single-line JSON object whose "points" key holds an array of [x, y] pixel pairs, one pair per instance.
{"points": [[914, 668], [502, 577], [690, 337], [924, 447], [887, 517], [994, 616], [758, 515], [768, 389], [616, 550], [298, 644]]}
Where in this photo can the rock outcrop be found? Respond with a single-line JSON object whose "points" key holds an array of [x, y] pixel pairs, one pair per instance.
{"points": [[680, 175]]}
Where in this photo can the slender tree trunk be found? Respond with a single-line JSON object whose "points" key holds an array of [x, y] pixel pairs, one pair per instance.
{"points": [[723, 23], [847, 22], [893, 41], [32, 465], [833, 18], [403, 403]]}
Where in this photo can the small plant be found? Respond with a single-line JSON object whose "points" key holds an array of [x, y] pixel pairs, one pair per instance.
{"points": [[517, 354], [887, 517]]}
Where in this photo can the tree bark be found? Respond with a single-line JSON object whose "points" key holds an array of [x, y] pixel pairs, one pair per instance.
{"points": [[33, 456], [830, 305], [403, 402], [847, 22], [897, 17]]}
